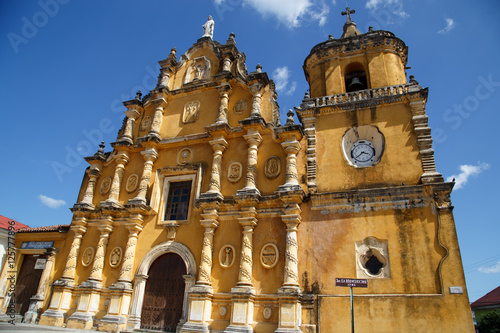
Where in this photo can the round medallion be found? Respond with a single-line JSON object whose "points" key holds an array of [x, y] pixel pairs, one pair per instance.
{"points": [[184, 156], [272, 167], [363, 146], [234, 172], [88, 256], [267, 312], [269, 255], [222, 311], [105, 185], [226, 256], [115, 257], [132, 182], [145, 123], [240, 106]]}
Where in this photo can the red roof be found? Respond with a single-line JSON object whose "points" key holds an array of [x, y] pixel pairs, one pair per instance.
{"points": [[491, 298], [50, 228], [4, 223]]}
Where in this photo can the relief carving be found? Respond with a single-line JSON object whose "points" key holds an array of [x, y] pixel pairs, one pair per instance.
{"points": [[88, 256], [199, 69], [240, 106], [105, 185], [145, 123], [191, 111], [185, 156], [272, 167], [226, 256], [269, 255], [132, 182], [267, 312], [234, 172], [116, 256]]}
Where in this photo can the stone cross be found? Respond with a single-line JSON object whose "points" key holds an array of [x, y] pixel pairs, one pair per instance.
{"points": [[348, 11]]}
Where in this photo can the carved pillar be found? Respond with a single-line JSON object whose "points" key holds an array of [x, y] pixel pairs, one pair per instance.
{"points": [[226, 64], [200, 302], [61, 296], [310, 130], [134, 318], [219, 144], [253, 139], [224, 91], [121, 292], [256, 100], [121, 160], [157, 119], [424, 139], [127, 136], [150, 155], [105, 228], [36, 301], [292, 180], [243, 295], [289, 293], [88, 197]]}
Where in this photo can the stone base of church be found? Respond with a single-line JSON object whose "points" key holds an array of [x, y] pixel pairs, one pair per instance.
{"points": [[81, 320], [238, 329], [113, 323], [52, 318], [193, 327]]}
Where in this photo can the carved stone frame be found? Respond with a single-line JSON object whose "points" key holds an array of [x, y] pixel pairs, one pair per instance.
{"points": [[141, 277]]}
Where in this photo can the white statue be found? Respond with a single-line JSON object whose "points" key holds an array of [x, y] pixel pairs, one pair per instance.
{"points": [[208, 28]]}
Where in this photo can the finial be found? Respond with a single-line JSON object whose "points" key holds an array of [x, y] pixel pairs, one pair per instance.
{"points": [[259, 68], [412, 80], [348, 11], [173, 50], [100, 151], [307, 95], [231, 40], [289, 120], [138, 95], [370, 29], [330, 37]]}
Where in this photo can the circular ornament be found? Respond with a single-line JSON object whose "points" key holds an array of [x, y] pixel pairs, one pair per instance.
{"points": [[226, 256], [363, 146], [145, 123], [222, 311], [234, 172], [267, 312], [105, 185], [132, 182], [362, 152], [88, 256], [240, 106], [269, 255], [116, 256], [272, 167], [184, 156]]}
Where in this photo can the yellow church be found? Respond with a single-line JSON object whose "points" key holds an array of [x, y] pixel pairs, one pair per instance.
{"points": [[209, 215]]}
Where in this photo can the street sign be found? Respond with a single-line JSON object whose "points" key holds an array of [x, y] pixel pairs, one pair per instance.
{"points": [[342, 282]]}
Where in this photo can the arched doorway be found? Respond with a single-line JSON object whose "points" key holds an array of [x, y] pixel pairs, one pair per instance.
{"points": [[164, 294]]}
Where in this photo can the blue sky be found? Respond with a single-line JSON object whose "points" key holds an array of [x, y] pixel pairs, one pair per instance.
{"points": [[66, 65]]}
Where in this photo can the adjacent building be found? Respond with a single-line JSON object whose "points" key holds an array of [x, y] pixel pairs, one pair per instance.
{"points": [[209, 215]]}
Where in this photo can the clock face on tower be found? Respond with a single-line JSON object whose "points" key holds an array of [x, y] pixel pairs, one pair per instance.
{"points": [[363, 152]]}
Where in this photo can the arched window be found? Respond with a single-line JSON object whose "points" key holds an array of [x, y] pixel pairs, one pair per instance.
{"points": [[355, 77]]}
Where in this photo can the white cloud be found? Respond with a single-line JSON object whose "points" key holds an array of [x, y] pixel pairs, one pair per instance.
{"points": [[51, 203], [393, 6], [290, 12], [466, 171], [280, 77], [491, 269], [450, 24]]}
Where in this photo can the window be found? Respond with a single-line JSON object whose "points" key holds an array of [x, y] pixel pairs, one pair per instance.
{"points": [[372, 259], [177, 206]]}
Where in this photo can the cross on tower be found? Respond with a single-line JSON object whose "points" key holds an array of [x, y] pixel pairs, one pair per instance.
{"points": [[348, 11]]}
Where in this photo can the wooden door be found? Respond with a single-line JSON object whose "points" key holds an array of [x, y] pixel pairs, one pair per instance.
{"points": [[164, 294], [27, 283]]}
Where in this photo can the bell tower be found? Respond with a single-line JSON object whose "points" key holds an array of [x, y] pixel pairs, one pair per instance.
{"points": [[363, 117]]}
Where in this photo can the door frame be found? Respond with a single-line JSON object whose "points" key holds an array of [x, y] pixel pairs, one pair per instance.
{"points": [[141, 277]]}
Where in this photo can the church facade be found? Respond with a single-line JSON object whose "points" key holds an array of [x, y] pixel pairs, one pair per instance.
{"points": [[209, 215]]}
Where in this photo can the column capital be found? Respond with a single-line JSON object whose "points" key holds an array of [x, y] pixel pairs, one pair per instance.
{"points": [[160, 103], [132, 113], [219, 143], [150, 154], [224, 88], [122, 158], [291, 147], [253, 137], [256, 88]]}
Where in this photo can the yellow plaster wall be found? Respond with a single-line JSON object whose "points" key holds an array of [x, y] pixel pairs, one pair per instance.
{"points": [[400, 161]]}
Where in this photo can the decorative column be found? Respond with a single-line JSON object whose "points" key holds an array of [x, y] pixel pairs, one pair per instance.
{"points": [[289, 293], [256, 100], [424, 139], [224, 91], [90, 290], [121, 292], [310, 130], [121, 160], [243, 295], [88, 197], [226, 64], [36, 301], [127, 136], [150, 155], [61, 296], [291, 148], [157, 118], [201, 294], [253, 139], [219, 144], [134, 318]]}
